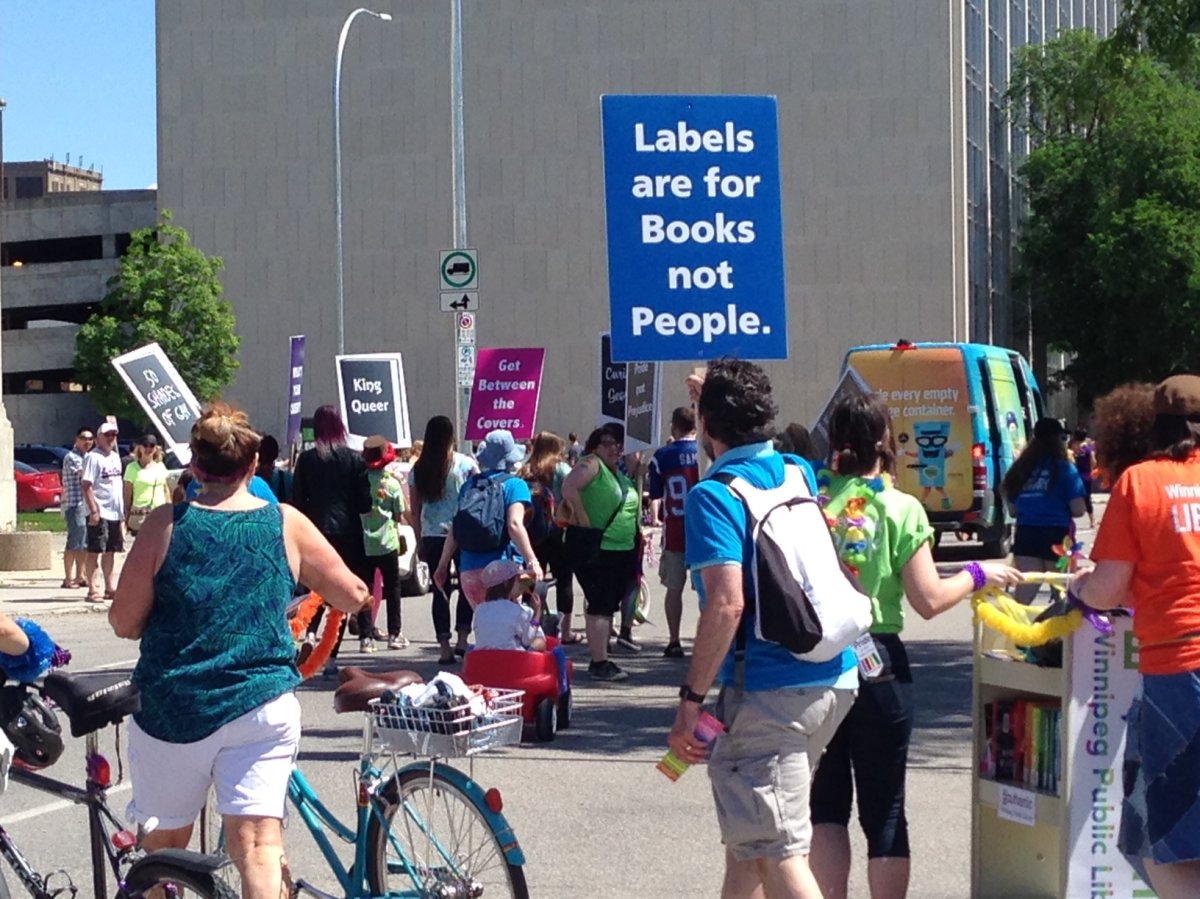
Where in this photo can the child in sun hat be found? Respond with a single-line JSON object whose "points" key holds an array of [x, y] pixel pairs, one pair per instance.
{"points": [[503, 620]]}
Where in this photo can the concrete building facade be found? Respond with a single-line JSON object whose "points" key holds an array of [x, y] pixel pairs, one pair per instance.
{"points": [[898, 170], [57, 252], [26, 180]]}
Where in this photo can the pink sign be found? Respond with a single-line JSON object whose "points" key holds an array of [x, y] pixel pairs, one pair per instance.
{"points": [[505, 395]]}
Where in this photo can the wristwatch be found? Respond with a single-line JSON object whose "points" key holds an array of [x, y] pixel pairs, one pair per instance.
{"points": [[686, 693]]}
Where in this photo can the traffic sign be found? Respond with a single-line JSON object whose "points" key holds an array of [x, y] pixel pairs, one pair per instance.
{"points": [[466, 358], [466, 328], [458, 270], [460, 300]]}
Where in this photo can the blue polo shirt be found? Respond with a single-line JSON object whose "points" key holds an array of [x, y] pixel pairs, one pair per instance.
{"points": [[718, 534]]}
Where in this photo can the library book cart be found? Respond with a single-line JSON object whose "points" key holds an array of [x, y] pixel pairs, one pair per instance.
{"points": [[1046, 784]]}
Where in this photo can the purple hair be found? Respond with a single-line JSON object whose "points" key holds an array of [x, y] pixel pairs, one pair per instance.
{"points": [[329, 429]]}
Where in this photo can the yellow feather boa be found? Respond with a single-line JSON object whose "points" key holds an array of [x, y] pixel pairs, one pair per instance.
{"points": [[998, 611]]}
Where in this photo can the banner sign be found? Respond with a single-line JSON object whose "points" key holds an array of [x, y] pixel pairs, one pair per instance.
{"points": [[695, 233], [295, 388], [850, 385], [643, 406], [612, 384], [373, 398], [1104, 680], [161, 392], [508, 384]]}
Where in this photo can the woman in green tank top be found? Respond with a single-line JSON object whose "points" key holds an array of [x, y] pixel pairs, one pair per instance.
{"points": [[600, 496]]}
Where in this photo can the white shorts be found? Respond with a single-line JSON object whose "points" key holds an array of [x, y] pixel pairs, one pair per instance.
{"points": [[249, 760]]}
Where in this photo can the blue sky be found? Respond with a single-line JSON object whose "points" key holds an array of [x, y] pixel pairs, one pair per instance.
{"points": [[78, 76]]}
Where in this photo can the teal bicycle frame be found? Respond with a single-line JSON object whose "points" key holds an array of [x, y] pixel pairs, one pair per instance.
{"points": [[318, 818]]}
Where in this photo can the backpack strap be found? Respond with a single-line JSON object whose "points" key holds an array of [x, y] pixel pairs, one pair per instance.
{"points": [[733, 482]]}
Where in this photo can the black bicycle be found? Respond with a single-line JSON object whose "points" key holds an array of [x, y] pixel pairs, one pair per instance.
{"points": [[91, 702]]}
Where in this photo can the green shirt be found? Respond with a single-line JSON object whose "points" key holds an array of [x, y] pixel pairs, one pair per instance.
{"points": [[380, 535], [604, 493], [149, 485], [877, 532]]}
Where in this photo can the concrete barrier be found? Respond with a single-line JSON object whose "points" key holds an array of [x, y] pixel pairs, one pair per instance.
{"points": [[27, 550]]}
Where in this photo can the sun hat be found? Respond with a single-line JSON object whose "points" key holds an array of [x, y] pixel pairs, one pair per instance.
{"points": [[1178, 395], [499, 571], [500, 451], [378, 452]]}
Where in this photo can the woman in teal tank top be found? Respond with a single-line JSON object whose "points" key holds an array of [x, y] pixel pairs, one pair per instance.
{"points": [[600, 496], [206, 589]]}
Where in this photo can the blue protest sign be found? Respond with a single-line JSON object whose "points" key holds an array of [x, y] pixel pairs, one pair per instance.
{"points": [[695, 232]]}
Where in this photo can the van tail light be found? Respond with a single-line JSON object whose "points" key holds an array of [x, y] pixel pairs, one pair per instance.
{"points": [[979, 467]]}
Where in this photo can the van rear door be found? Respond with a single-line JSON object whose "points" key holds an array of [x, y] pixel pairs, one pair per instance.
{"points": [[925, 387]]}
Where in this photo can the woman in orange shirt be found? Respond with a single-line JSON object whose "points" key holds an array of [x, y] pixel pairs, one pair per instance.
{"points": [[1147, 557]]}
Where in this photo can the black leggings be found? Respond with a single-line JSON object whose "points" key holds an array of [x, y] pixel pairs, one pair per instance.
{"points": [[389, 565], [350, 548], [868, 757], [552, 555], [431, 549]]}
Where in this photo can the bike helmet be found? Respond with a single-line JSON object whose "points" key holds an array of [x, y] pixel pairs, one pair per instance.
{"points": [[35, 733]]}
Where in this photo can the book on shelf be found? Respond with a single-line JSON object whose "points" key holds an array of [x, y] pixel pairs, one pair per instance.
{"points": [[1022, 742]]}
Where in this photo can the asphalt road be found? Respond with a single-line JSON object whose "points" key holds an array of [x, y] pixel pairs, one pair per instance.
{"points": [[595, 818]]}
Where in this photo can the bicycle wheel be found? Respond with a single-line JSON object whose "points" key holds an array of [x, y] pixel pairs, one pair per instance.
{"points": [[447, 842], [163, 879], [212, 842]]}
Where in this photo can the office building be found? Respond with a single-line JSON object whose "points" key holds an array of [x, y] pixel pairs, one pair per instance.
{"points": [[898, 170]]}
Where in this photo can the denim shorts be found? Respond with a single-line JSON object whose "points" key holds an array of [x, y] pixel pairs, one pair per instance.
{"points": [[1162, 771], [76, 517]]}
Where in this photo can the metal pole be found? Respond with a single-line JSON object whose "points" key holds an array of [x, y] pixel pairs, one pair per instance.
{"points": [[8, 487], [458, 171], [337, 166]]}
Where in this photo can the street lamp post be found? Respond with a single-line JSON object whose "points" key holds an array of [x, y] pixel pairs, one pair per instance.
{"points": [[337, 163], [8, 487]]}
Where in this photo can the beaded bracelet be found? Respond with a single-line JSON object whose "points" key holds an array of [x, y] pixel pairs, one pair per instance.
{"points": [[978, 575]]}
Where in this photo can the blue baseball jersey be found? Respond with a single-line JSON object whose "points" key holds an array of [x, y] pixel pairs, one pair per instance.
{"points": [[672, 473]]}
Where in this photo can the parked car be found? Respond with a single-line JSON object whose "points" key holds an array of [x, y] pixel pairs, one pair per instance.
{"points": [[36, 490], [41, 456]]}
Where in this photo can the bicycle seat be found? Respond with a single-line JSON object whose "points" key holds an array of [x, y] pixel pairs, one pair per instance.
{"points": [[92, 700], [358, 686]]}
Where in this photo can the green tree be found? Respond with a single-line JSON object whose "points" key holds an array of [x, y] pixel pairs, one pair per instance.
{"points": [[1111, 253], [167, 292]]}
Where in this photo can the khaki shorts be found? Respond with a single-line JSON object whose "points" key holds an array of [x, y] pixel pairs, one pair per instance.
{"points": [[761, 771], [672, 573]]}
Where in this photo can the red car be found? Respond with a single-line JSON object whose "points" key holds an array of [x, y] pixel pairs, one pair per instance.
{"points": [[36, 490]]}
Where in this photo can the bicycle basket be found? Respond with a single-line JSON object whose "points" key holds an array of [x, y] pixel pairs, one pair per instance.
{"points": [[449, 732]]}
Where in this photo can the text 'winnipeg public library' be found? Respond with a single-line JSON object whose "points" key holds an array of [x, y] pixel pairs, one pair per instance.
{"points": [[719, 230]]}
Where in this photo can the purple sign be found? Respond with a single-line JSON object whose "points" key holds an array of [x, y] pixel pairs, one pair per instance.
{"points": [[295, 385], [505, 395]]}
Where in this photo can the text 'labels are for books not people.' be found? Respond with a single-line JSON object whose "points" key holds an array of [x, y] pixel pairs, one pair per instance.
{"points": [[694, 227]]}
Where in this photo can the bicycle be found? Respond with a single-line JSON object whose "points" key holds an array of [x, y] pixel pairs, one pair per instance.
{"points": [[90, 703], [422, 829]]}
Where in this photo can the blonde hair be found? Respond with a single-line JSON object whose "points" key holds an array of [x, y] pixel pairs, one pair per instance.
{"points": [[547, 452], [155, 452], [223, 444]]}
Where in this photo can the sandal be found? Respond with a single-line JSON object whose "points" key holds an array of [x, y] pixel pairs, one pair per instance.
{"points": [[95, 597], [66, 585], [448, 660], [110, 594], [572, 639]]}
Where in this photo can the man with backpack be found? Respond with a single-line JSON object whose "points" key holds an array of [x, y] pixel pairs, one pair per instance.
{"points": [[671, 474], [490, 521], [780, 704]]}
